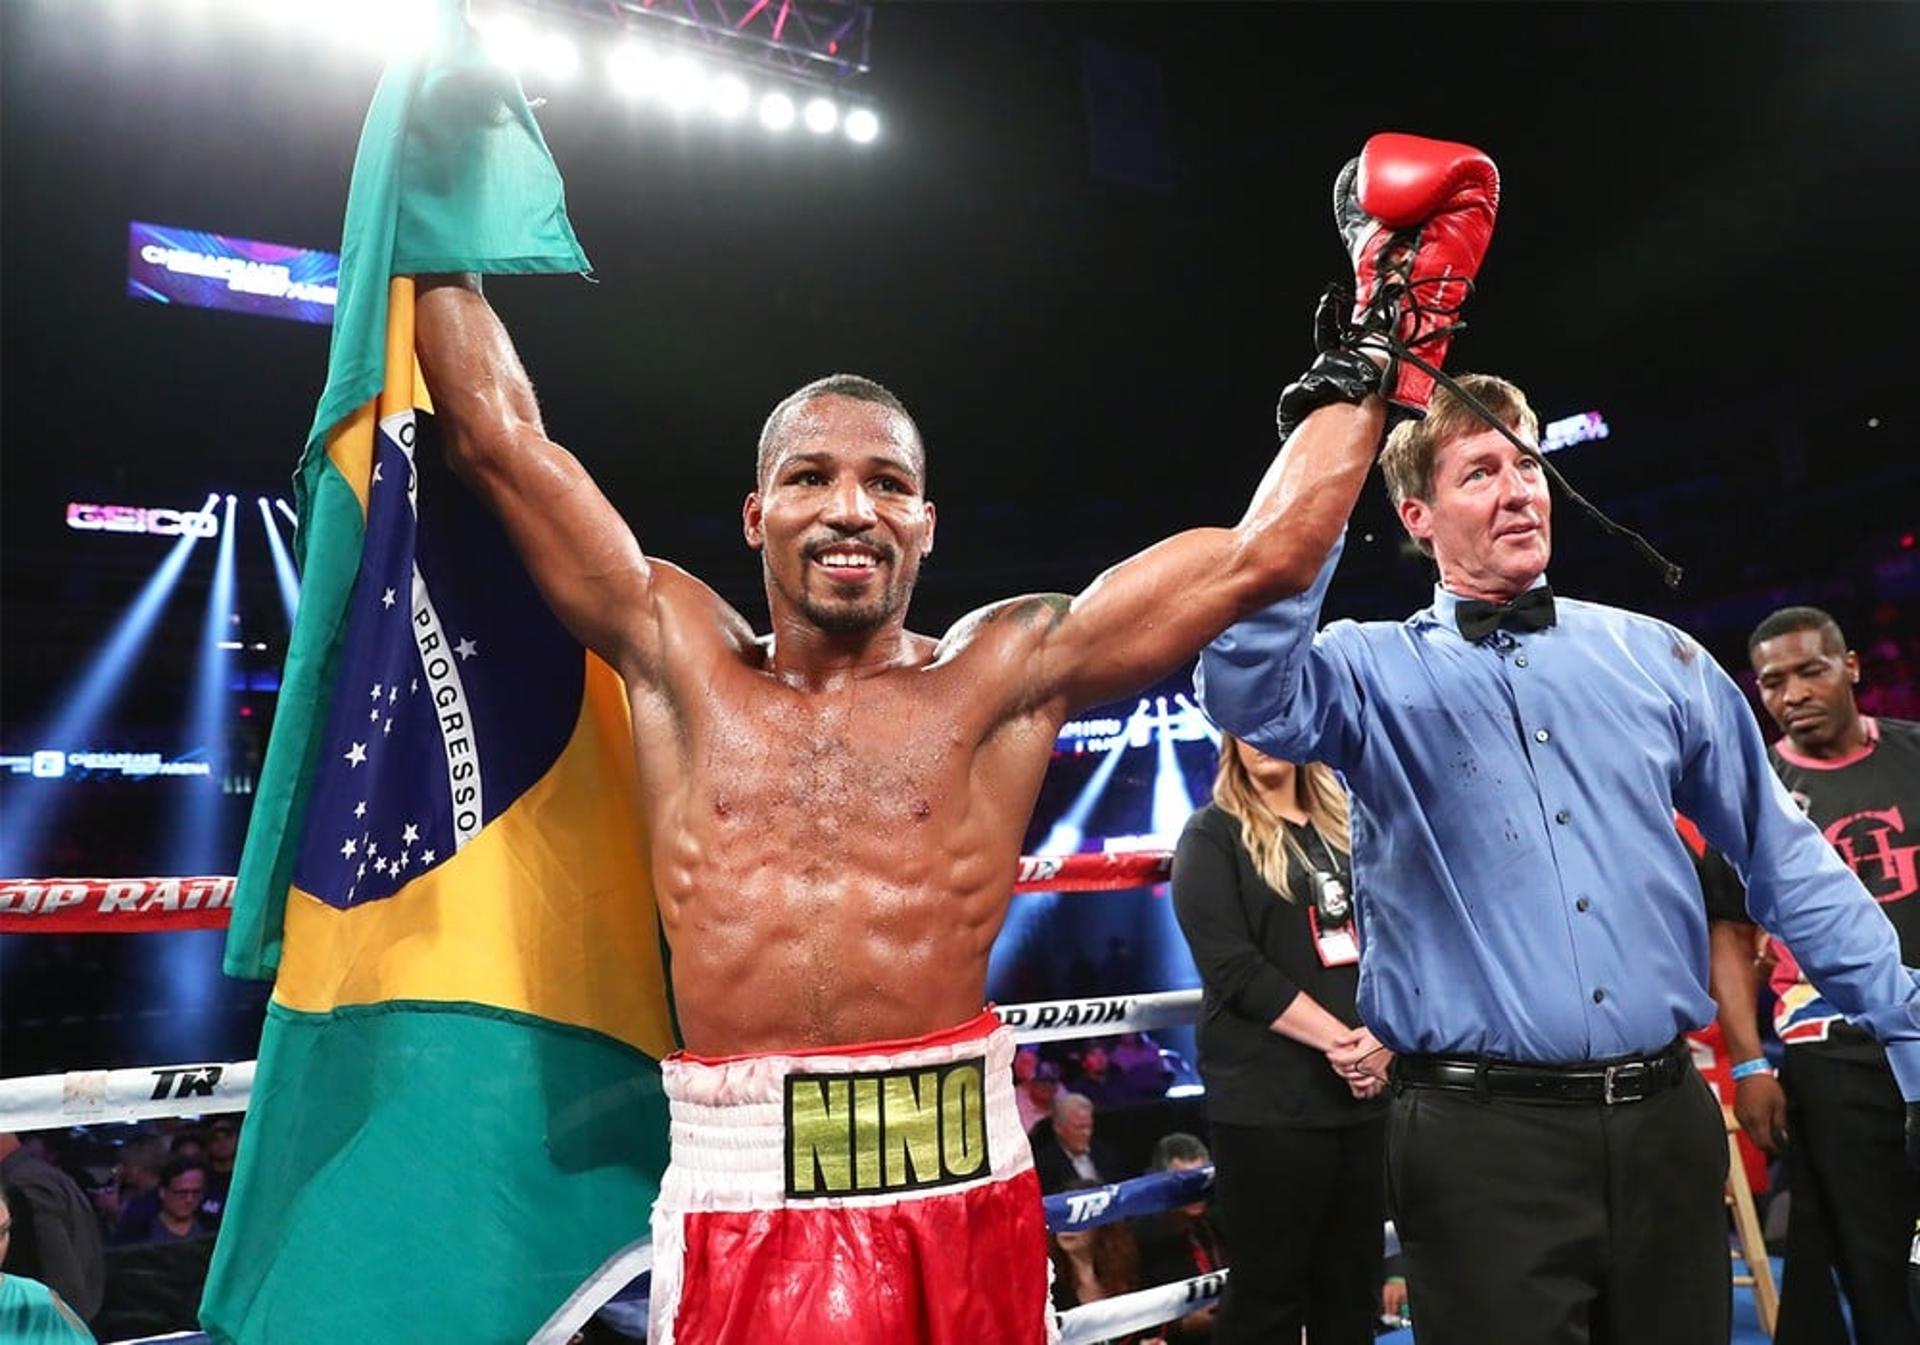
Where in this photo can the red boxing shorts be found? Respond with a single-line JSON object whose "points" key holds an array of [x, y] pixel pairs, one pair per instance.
{"points": [[881, 1194]]}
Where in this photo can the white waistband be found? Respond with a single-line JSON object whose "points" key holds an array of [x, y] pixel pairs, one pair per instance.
{"points": [[729, 1123]]}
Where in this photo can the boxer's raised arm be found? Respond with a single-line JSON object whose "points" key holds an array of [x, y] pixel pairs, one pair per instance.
{"points": [[1416, 216], [573, 542], [1150, 614]]}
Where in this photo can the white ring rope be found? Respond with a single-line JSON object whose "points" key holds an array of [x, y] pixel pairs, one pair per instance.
{"points": [[1143, 1308], [145, 1092]]}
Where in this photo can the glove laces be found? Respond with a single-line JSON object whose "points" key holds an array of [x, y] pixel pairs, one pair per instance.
{"points": [[1399, 295]]}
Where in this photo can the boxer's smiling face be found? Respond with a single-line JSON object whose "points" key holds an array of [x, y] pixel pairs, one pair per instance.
{"points": [[840, 518], [1490, 517]]}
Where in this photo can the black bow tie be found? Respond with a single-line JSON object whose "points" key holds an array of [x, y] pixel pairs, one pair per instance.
{"points": [[1532, 610]]}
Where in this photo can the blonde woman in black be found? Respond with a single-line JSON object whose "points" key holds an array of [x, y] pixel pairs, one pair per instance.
{"points": [[1262, 886]]}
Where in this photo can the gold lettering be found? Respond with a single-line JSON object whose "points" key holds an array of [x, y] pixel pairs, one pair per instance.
{"points": [[913, 1128], [819, 1110], [963, 1119], [866, 1135]]}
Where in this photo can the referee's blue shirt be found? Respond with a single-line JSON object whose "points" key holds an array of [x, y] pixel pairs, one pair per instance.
{"points": [[1523, 892]]}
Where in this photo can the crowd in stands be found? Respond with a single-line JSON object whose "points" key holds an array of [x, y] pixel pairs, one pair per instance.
{"points": [[1057, 1087], [118, 1222]]}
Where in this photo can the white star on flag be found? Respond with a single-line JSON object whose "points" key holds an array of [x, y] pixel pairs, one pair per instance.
{"points": [[466, 649], [386, 599], [393, 693], [360, 808], [348, 847], [376, 690], [387, 727], [360, 872], [413, 686], [409, 834], [373, 714], [426, 856], [376, 471], [357, 754], [401, 863]]}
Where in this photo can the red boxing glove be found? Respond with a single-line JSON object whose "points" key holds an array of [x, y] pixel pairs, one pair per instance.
{"points": [[1417, 215]]}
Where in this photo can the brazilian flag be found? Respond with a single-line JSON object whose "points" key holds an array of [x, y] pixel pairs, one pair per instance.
{"points": [[457, 1117]]}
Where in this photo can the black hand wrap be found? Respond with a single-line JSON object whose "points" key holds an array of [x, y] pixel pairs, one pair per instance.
{"points": [[1339, 374]]}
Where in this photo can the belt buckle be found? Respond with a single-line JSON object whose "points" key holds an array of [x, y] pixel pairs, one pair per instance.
{"points": [[1613, 1072]]}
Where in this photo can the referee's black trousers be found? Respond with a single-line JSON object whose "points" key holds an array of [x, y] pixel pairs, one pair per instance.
{"points": [[1538, 1223]]}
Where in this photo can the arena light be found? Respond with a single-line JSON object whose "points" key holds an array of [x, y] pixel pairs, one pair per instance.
{"points": [[194, 844], [1064, 837], [1172, 805], [556, 57], [683, 84], [862, 126], [287, 509], [22, 840], [505, 37], [776, 111], [729, 97], [821, 116], [634, 69], [283, 572]]}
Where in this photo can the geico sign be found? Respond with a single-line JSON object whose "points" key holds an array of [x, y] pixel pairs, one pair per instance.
{"points": [[129, 518]]}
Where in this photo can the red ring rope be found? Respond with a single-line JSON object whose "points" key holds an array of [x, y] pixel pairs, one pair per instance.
{"points": [[140, 905]]}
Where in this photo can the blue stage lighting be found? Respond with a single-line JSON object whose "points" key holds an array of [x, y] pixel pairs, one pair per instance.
{"points": [[1036, 908], [80, 717], [1070, 830], [1172, 805], [287, 509], [282, 564], [195, 843]]}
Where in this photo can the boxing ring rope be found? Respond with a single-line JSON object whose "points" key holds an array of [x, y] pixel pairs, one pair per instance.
{"points": [[144, 905], [1108, 1317], [140, 905], [150, 1092]]}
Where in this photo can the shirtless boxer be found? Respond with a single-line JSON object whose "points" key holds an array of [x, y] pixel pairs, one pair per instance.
{"points": [[836, 810]]}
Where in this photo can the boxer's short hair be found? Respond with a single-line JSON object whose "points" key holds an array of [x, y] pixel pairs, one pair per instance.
{"points": [[854, 386]]}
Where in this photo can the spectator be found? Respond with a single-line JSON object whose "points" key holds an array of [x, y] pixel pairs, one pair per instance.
{"points": [[1144, 1072], [55, 1234], [140, 1162], [1262, 887], [1090, 1264], [1396, 1308], [1096, 1079], [1183, 1241], [183, 1186], [1854, 1201], [1034, 1096], [1065, 1151], [223, 1141], [191, 1143], [30, 1312], [101, 1186]]}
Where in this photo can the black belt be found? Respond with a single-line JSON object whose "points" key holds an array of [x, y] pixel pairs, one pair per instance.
{"points": [[1628, 1079]]}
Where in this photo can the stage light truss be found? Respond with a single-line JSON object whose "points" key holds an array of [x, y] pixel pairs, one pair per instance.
{"points": [[791, 63], [818, 42]]}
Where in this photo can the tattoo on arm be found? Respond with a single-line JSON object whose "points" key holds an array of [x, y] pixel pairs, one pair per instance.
{"points": [[1048, 607]]}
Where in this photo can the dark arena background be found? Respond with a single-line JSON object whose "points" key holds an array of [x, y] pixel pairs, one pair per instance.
{"points": [[1083, 243]]}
